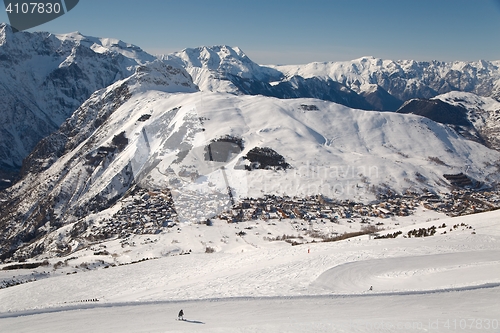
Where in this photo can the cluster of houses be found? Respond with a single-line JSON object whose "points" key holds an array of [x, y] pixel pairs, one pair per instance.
{"points": [[314, 207], [148, 212], [463, 202], [151, 212]]}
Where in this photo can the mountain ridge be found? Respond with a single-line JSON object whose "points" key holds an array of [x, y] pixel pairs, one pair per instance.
{"points": [[207, 127], [62, 79], [401, 78], [381, 84], [137, 134], [46, 77]]}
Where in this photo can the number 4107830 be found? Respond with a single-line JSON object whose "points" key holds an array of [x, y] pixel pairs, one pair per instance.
{"points": [[473, 323], [33, 8]]}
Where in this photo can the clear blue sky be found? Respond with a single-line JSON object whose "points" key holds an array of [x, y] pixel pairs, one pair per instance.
{"points": [[295, 32]]}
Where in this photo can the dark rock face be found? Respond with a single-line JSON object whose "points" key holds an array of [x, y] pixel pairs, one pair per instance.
{"points": [[381, 100], [455, 117], [266, 158], [329, 90], [438, 111]]}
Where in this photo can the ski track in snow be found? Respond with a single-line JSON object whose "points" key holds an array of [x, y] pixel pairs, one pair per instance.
{"points": [[369, 313], [419, 272], [276, 287]]}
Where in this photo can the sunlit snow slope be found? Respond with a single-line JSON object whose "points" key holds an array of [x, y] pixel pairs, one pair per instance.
{"points": [[273, 287], [333, 150]]}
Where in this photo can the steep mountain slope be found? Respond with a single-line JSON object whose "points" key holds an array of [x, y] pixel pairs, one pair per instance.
{"points": [[84, 157], [437, 110], [44, 78], [482, 112], [454, 116], [153, 131]]}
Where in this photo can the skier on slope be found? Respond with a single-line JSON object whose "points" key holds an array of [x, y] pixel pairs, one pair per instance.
{"points": [[181, 315]]}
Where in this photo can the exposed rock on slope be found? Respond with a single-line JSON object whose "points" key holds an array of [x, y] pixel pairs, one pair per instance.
{"points": [[63, 175], [482, 112], [44, 78]]}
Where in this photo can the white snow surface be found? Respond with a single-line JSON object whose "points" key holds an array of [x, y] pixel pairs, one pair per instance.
{"points": [[427, 284], [336, 151]]}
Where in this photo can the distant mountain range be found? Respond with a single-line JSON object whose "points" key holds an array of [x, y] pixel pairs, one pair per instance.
{"points": [[88, 122], [44, 78], [366, 83]]}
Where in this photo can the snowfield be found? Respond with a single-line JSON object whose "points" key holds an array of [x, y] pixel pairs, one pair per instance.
{"points": [[448, 282]]}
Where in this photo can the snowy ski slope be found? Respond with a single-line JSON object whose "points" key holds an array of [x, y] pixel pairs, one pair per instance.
{"points": [[419, 284]]}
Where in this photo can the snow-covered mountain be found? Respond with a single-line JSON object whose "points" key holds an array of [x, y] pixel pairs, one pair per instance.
{"points": [[44, 78], [406, 79], [226, 69], [214, 68], [475, 117], [207, 127], [482, 112], [367, 83], [77, 152], [153, 157], [155, 131]]}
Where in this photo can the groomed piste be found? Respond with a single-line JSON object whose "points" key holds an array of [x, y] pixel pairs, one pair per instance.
{"points": [[417, 283]]}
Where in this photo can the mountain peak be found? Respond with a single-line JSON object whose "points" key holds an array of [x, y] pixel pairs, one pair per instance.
{"points": [[164, 76], [365, 58], [104, 45], [209, 56], [221, 61]]}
